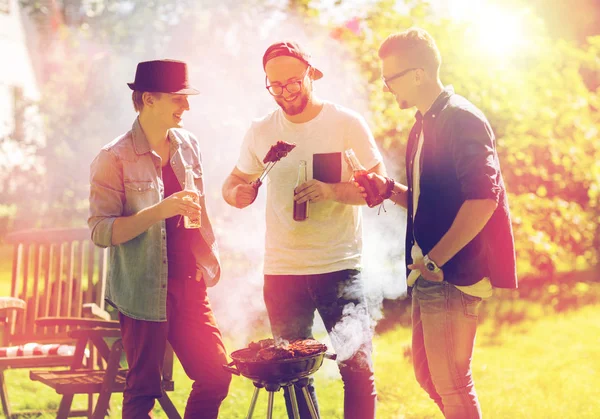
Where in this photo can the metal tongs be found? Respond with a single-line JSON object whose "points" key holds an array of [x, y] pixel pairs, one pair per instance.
{"points": [[256, 184], [275, 153]]}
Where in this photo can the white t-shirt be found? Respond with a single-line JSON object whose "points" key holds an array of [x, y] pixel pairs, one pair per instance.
{"points": [[331, 238]]}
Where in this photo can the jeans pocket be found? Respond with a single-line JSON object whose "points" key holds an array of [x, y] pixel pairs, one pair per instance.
{"points": [[428, 283], [470, 304], [431, 296]]}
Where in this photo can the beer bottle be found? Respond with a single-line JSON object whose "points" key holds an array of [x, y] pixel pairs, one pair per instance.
{"points": [[301, 210], [360, 175], [195, 221]]}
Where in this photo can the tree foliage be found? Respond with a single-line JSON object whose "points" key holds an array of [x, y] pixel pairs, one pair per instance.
{"points": [[544, 117], [544, 114], [80, 45]]}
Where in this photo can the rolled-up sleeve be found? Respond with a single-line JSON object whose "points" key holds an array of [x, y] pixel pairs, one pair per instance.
{"points": [[475, 157], [248, 161], [107, 197]]}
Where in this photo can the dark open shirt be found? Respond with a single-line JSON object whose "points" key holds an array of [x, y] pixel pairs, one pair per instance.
{"points": [[459, 162]]}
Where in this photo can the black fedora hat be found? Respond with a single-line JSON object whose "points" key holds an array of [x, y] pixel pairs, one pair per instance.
{"points": [[165, 76]]}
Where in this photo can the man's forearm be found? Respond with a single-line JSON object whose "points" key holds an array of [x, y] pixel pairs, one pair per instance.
{"points": [[127, 228], [347, 193], [472, 216], [230, 183], [400, 195]]}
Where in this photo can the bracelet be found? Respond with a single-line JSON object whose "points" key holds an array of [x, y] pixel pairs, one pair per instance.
{"points": [[389, 187]]}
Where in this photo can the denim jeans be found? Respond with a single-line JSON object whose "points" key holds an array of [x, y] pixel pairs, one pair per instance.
{"points": [[291, 302], [192, 331], [444, 323]]}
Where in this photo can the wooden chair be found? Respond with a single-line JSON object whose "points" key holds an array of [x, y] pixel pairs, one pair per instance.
{"points": [[55, 272], [79, 379], [61, 275]]}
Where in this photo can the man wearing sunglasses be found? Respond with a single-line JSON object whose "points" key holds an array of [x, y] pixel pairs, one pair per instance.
{"points": [[313, 264], [459, 241]]}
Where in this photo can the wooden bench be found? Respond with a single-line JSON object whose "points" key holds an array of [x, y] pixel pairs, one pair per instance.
{"points": [[80, 379], [59, 276], [55, 272]]}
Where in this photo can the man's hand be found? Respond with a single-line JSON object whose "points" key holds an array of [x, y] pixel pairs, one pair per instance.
{"points": [[313, 191], [181, 203], [244, 194], [425, 273], [379, 181], [399, 192], [240, 189]]}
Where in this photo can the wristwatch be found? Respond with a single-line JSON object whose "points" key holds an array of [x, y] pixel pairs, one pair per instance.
{"points": [[430, 264]]}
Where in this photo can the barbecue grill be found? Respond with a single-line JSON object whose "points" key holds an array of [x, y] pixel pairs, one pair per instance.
{"points": [[275, 374]]}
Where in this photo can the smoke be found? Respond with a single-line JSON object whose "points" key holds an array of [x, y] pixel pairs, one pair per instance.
{"points": [[352, 332], [226, 66]]}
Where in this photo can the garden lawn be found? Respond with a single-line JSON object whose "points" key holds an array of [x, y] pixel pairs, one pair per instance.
{"points": [[548, 368]]}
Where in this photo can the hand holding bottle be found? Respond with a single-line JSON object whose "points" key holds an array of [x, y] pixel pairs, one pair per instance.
{"points": [[361, 176], [375, 179], [180, 203], [313, 191]]}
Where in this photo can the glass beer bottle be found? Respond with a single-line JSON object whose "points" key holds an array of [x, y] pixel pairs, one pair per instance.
{"points": [[301, 210], [360, 175], [195, 221]]}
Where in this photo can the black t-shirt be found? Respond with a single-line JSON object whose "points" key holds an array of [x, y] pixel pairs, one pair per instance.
{"points": [[182, 263]]}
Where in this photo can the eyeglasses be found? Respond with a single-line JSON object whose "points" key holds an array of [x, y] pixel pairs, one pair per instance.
{"points": [[291, 87], [387, 80]]}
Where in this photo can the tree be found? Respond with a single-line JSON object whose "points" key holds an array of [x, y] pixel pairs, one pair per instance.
{"points": [[544, 117], [539, 101], [81, 44]]}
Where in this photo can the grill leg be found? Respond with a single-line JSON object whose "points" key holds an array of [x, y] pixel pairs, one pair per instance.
{"points": [[253, 402], [270, 405], [309, 402], [292, 392]]}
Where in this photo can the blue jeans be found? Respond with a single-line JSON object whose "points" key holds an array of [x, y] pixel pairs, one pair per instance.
{"points": [[444, 323], [291, 302]]}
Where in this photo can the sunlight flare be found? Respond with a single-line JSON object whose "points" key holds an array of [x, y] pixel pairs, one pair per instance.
{"points": [[494, 30]]}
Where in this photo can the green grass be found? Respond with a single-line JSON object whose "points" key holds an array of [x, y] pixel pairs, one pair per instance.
{"points": [[545, 368]]}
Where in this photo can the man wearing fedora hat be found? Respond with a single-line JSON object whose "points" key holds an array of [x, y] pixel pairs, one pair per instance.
{"points": [[159, 270], [313, 264]]}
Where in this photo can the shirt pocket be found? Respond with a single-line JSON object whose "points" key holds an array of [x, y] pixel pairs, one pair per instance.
{"points": [[139, 195]]}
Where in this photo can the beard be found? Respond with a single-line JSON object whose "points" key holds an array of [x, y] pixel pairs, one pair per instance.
{"points": [[293, 109]]}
